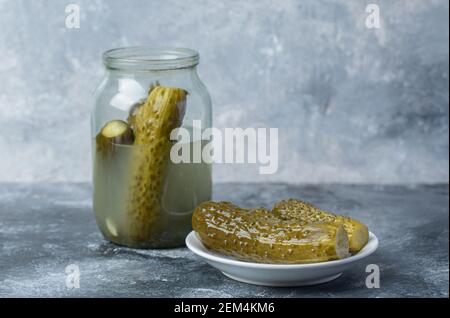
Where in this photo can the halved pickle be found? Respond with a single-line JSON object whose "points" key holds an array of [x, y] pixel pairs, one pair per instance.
{"points": [[259, 235], [306, 213]]}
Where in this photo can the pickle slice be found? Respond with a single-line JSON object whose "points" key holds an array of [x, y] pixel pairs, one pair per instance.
{"points": [[306, 213], [114, 132], [261, 236]]}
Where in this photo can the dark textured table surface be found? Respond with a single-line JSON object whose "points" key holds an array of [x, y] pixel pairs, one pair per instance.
{"points": [[46, 227]]}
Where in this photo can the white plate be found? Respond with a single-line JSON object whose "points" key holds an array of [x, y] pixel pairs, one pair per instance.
{"points": [[279, 274]]}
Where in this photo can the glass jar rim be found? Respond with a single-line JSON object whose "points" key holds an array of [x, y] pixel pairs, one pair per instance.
{"points": [[149, 58]]}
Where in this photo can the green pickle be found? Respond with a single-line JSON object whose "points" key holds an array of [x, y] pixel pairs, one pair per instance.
{"points": [[152, 123], [306, 213], [114, 132], [260, 235]]}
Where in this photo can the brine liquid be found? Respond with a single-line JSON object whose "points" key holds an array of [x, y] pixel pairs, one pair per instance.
{"points": [[185, 186]]}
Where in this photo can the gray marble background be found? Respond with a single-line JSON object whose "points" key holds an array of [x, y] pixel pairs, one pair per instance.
{"points": [[352, 104]]}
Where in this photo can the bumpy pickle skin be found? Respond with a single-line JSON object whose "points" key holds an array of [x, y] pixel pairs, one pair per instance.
{"points": [[306, 213], [260, 236], [152, 123]]}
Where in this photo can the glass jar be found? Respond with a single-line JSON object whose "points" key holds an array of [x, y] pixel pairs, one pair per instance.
{"points": [[142, 197]]}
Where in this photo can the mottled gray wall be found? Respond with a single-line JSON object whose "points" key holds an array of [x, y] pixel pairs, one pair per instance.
{"points": [[352, 104]]}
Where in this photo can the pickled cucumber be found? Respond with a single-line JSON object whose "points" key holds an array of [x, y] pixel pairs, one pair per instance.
{"points": [[114, 132], [261, 236], [152, 123], [306, 213]]}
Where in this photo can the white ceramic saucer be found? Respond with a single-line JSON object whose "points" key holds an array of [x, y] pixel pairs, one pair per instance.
{"points": [[279, 274]]}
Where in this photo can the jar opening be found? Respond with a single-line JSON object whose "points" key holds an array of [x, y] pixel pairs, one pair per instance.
{"points": [[145, 58]]}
